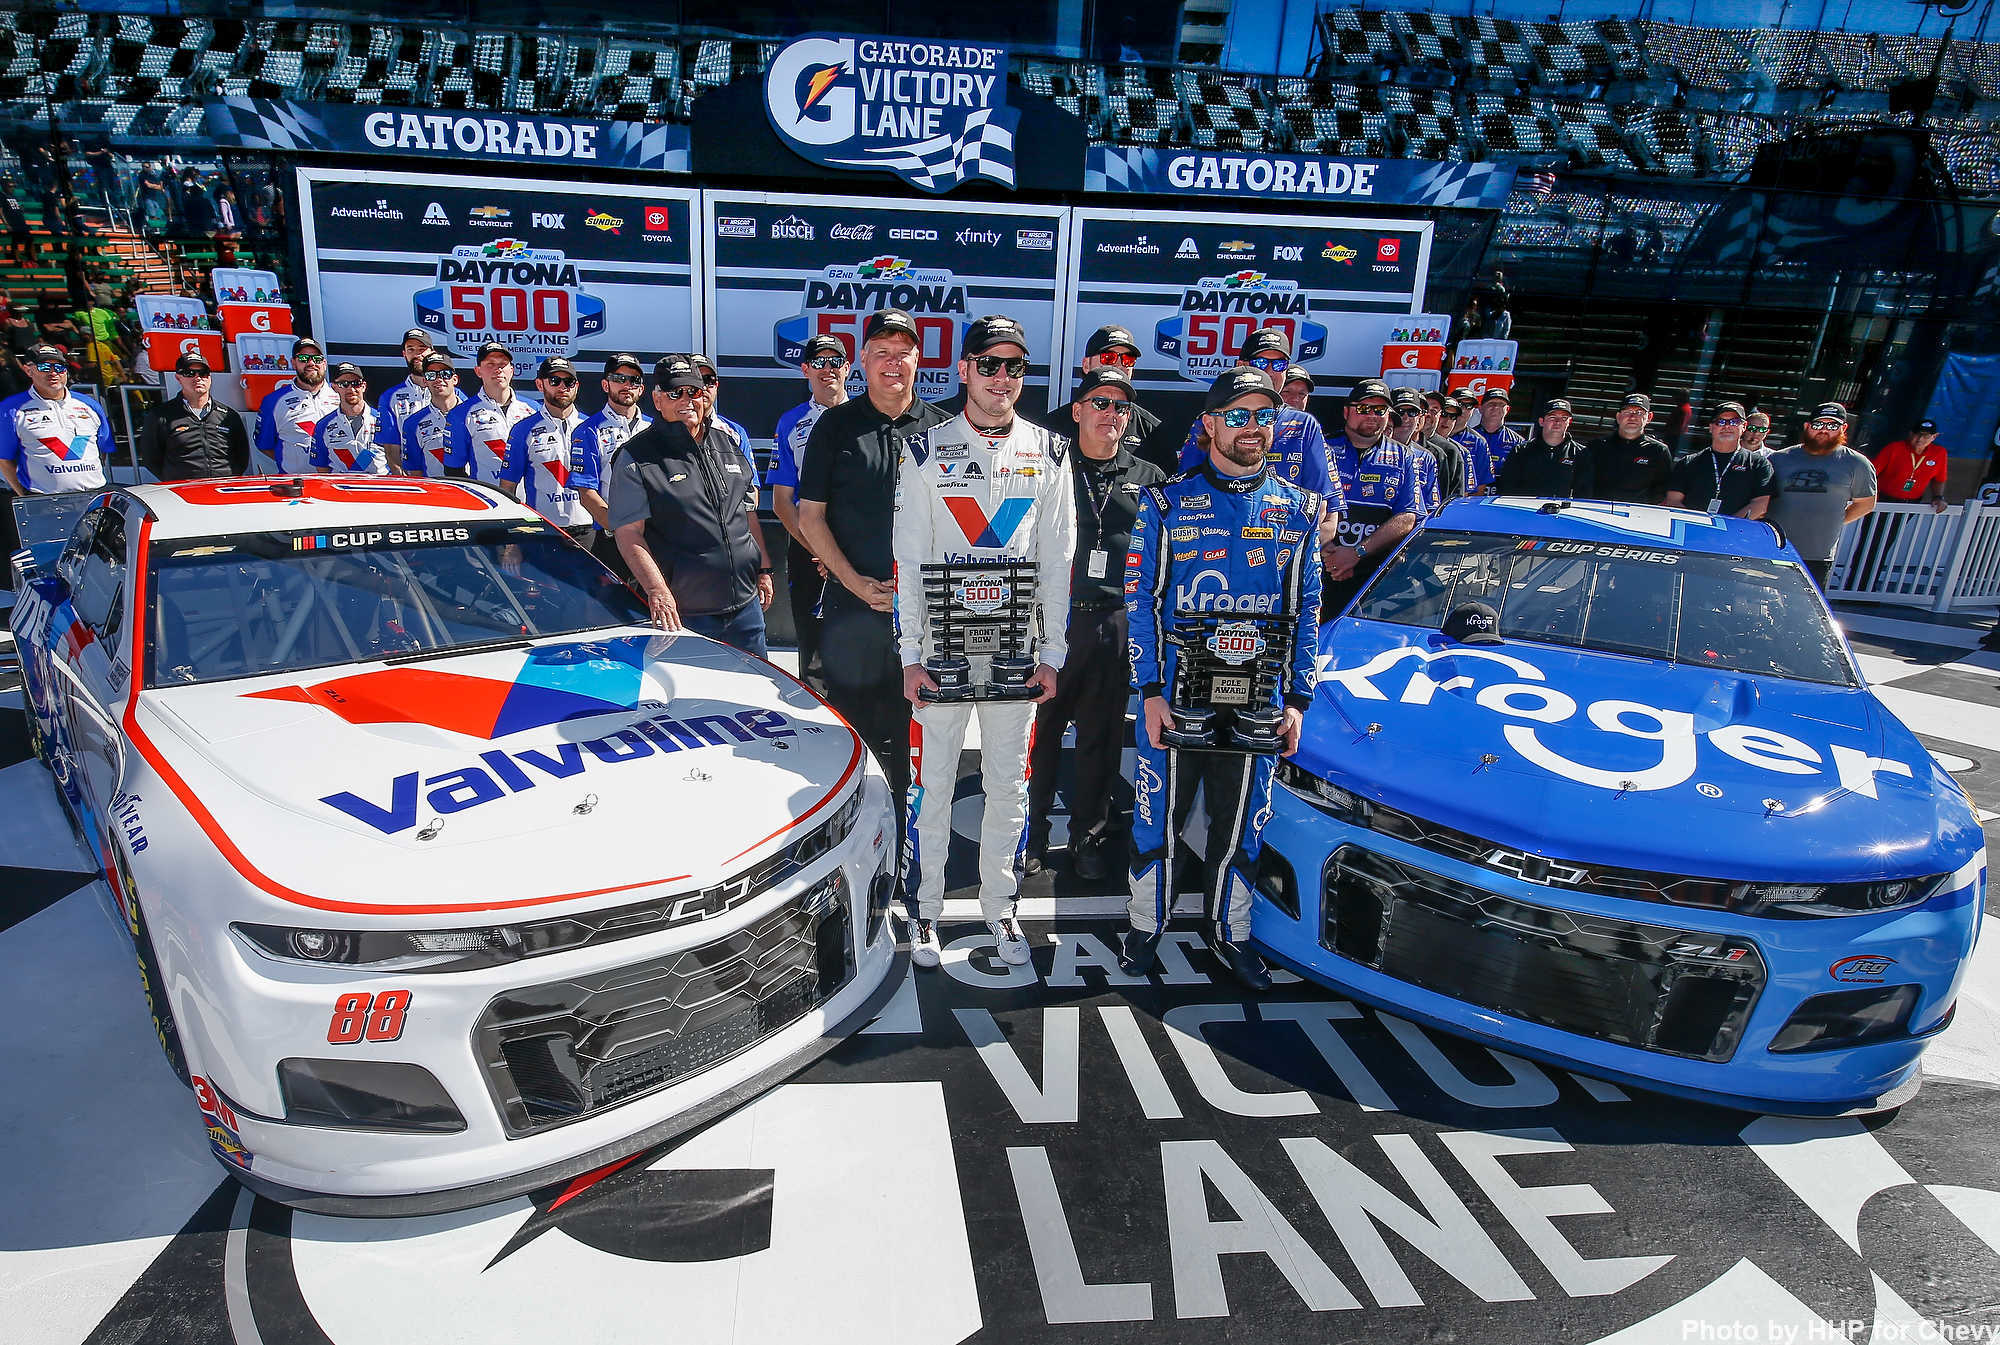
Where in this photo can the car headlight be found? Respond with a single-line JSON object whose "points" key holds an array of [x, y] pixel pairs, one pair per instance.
{"points": [[1327, 797]]}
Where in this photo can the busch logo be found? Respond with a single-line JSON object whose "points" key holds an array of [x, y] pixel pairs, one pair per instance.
{"points": [[1236, 643], [981, 594], [791, 226]]}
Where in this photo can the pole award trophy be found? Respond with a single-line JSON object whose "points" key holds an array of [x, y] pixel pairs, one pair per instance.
{"points": [[983, 610], [1227, 670]]}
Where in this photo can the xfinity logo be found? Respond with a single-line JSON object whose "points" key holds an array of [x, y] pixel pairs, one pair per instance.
{"points": [[913, 235], [967, 237], [434, 214], [852, 233], [735, 227], [542, 220], [792, 227]]}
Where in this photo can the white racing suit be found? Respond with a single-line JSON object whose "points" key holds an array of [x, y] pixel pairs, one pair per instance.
{"points": [[963, 497]]}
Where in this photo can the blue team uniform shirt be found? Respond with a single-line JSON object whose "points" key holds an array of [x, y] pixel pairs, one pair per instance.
{"points": [[347, 448], [1379, 486], [1488, 451], [544, 456], [793, 433], [425, 437], [397, 405], [55, 446], [479, 433]]}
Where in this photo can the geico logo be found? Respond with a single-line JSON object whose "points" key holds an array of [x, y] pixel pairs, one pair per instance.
{"points": [[261, 321], [1531, 700], [1192, 596], [500, 773]]}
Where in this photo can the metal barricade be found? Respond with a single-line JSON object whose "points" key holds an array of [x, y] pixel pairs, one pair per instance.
{"points": [[1912, 555]]}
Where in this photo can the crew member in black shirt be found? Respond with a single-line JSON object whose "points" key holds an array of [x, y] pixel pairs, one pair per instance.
{"points": [[193, 435], [1728, 479], [1631, 465], [1096, 677], [847, 507], [680, 504], [1551, 464]]}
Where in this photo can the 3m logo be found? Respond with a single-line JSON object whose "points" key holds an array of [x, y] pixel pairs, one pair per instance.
{"points": [[994, 532], [1388, 249]]}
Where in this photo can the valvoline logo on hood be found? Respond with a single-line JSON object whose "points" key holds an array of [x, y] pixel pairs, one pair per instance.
{"points": [[554, 683]]}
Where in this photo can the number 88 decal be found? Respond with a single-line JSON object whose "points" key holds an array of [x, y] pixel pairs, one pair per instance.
{"points": [[360, 1017]]}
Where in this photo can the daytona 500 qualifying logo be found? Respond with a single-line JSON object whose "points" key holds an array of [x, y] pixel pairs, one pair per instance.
{"points": [[1218, 312], [529, 299], [840, 298]]}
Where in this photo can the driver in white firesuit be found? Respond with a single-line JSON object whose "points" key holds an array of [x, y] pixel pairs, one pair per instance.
{"points": [[984, 486]]}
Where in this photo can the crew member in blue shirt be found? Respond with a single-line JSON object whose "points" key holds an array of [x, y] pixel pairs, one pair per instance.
{"points": [[402, 399], [1488, 441], [1380, 478]]}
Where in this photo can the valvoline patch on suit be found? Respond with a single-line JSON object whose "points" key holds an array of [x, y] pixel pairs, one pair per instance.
{"points": [[553, 684], [64, 451], [984, 531]]}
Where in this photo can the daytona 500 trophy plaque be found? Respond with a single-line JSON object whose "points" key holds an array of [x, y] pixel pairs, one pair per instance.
{"points": [[980, 610], [1226, 676]]}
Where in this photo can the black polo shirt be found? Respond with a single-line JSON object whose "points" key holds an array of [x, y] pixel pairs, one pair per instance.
{"points": [[1632, 471], [693, 497], [850, 467], [1107, 502], [1560, 471], [1738, 479], [179, 444]]}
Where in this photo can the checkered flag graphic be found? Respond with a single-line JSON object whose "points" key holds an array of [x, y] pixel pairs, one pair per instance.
{"points": [[1452, 184], [266, 123], [651, 145], [984, 149], [1121, 168]]}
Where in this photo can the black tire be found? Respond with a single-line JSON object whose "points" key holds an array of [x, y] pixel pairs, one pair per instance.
{"points": [[154, 986]]}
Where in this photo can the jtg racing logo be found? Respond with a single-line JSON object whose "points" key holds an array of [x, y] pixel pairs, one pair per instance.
{"points": [[530, 300], [839, 299], [1218, 312]]}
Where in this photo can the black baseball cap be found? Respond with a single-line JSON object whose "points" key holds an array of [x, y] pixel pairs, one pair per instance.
{"points": [[1295, 374], [344, 367], [1432, 395], [996, 330], [438, 355], [1103, 378], [703, 363], [624, 360], [307, 343], [1473, 623], [1265, 341], [1403, 399], [47, 352], [1109, 337], [192, 363], [1239, 382], [492, 348], [1558, 404], [677, 371], [823, 344], [1638, 399], [1831, 410], [1720, 407], [555, 364], [1930, 425], [1496, 395], [889, 320], [1370, 387], [416, 334]]}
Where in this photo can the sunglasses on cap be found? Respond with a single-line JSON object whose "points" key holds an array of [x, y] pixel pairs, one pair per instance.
{"points": [[1275, 364], [1236, 417], [349, 383], [626, 380], [827, 362], [560, 381], [986, 366], [683, 394], [308, 359], [51, 367], [1123, 359], [1118, 404]]}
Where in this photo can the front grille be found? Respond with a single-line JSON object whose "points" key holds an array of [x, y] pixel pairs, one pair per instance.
{"points": [[556, 1052], [1677, 991]]}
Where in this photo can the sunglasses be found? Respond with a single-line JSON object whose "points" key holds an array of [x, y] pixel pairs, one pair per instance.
{"points": [[1839, 425], [438, 375], [51, 367], [1371, 409], [626, 380], [1120, 358], [308, 359], [827, 362], [1270, 366], [351, 384], [1236, 417], [560, 381], [1122, 407], [1726, 422], [986, 366], [683, 394], [709, 380], [1756, 429]]}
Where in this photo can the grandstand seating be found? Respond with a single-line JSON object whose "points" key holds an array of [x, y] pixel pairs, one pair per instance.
{"points": [[1224, 113], [1145, 107], [1320, 116], [1077, 89], [1426, 123]]}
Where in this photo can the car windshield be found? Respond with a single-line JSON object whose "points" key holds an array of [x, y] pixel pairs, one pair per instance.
{"points": [[1709, 611], [248, 605]]}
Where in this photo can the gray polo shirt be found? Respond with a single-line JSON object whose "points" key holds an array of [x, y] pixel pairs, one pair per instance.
{"points": [[1813, 492]]}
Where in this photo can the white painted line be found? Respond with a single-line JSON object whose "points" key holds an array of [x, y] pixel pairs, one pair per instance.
{"points": [[1880, 670], [1941, 717], [1954, 637], [1970, 1047]]}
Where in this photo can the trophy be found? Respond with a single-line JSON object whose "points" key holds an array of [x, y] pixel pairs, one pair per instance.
{"points": [[980, 609], [1227, 671]]}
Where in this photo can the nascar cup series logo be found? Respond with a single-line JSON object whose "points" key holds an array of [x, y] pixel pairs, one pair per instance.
{"points": [[932, 113], [840, 298], [1218, 312], [529, 299]]}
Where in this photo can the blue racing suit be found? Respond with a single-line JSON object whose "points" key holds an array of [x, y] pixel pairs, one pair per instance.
{"points": [[1487, 452], [1204, 542]]}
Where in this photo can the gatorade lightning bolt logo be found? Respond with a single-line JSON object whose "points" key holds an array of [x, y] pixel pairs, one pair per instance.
{"points": [[820, 82]]}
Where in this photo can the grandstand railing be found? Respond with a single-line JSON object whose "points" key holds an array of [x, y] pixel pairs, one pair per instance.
{"points": [[1915, 556]]}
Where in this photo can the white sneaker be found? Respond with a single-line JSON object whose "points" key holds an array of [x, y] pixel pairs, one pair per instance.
{"points": [[924, 950], [1012, 943]]}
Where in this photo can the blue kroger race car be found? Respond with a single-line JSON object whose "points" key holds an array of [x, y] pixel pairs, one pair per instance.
{"points": [[1638, 815]]}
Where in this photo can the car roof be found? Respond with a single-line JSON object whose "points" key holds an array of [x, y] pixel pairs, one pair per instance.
{"points": [[1644, 525], [213, 508]]}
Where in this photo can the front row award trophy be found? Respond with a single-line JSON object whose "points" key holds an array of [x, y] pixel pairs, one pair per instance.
{"points": [[1227, 669], [981, 610]]}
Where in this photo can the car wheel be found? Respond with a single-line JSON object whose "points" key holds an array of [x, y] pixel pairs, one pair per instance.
{"points": [[154, 985]]}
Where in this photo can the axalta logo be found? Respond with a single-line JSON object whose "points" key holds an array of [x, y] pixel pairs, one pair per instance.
{"points": [[1196, 595], [1187, 251], [793, 228], [1532, 708], [434, 214]]}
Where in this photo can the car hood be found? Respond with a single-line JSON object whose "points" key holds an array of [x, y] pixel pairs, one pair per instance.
{"points": [[574, 767], [1597, 757]]}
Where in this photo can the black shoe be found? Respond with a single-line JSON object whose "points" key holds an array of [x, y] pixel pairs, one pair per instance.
{"points": [[1032, 863], [1244, 963], [1093, 861], [1138, 952]]}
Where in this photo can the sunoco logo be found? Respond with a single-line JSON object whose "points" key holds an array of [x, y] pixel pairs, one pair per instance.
{"points": [[792, 227]]}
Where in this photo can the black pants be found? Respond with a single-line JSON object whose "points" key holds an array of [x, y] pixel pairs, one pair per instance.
{"points": [[864, 680], [1819, 569], [1091, 691], [803, 578], [605, 548]]}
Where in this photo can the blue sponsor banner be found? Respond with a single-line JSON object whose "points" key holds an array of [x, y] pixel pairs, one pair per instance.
{"points": [[1297, 177], [487, 137], [932, 113]]}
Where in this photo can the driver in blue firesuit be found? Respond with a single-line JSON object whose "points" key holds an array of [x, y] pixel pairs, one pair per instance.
{"points": [[1229, 536]]}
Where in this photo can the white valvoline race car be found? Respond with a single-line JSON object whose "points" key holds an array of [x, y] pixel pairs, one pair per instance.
{"points": [[448, 877]]}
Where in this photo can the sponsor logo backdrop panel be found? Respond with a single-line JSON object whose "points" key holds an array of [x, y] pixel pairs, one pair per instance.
{"points": [[544, 268], [1190, 287], [784, 268]]}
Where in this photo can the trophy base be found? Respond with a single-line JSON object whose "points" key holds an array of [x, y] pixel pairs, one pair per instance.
{"points": [[1009, 691], [953, 677], [947, 696], [1258, 731]]}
